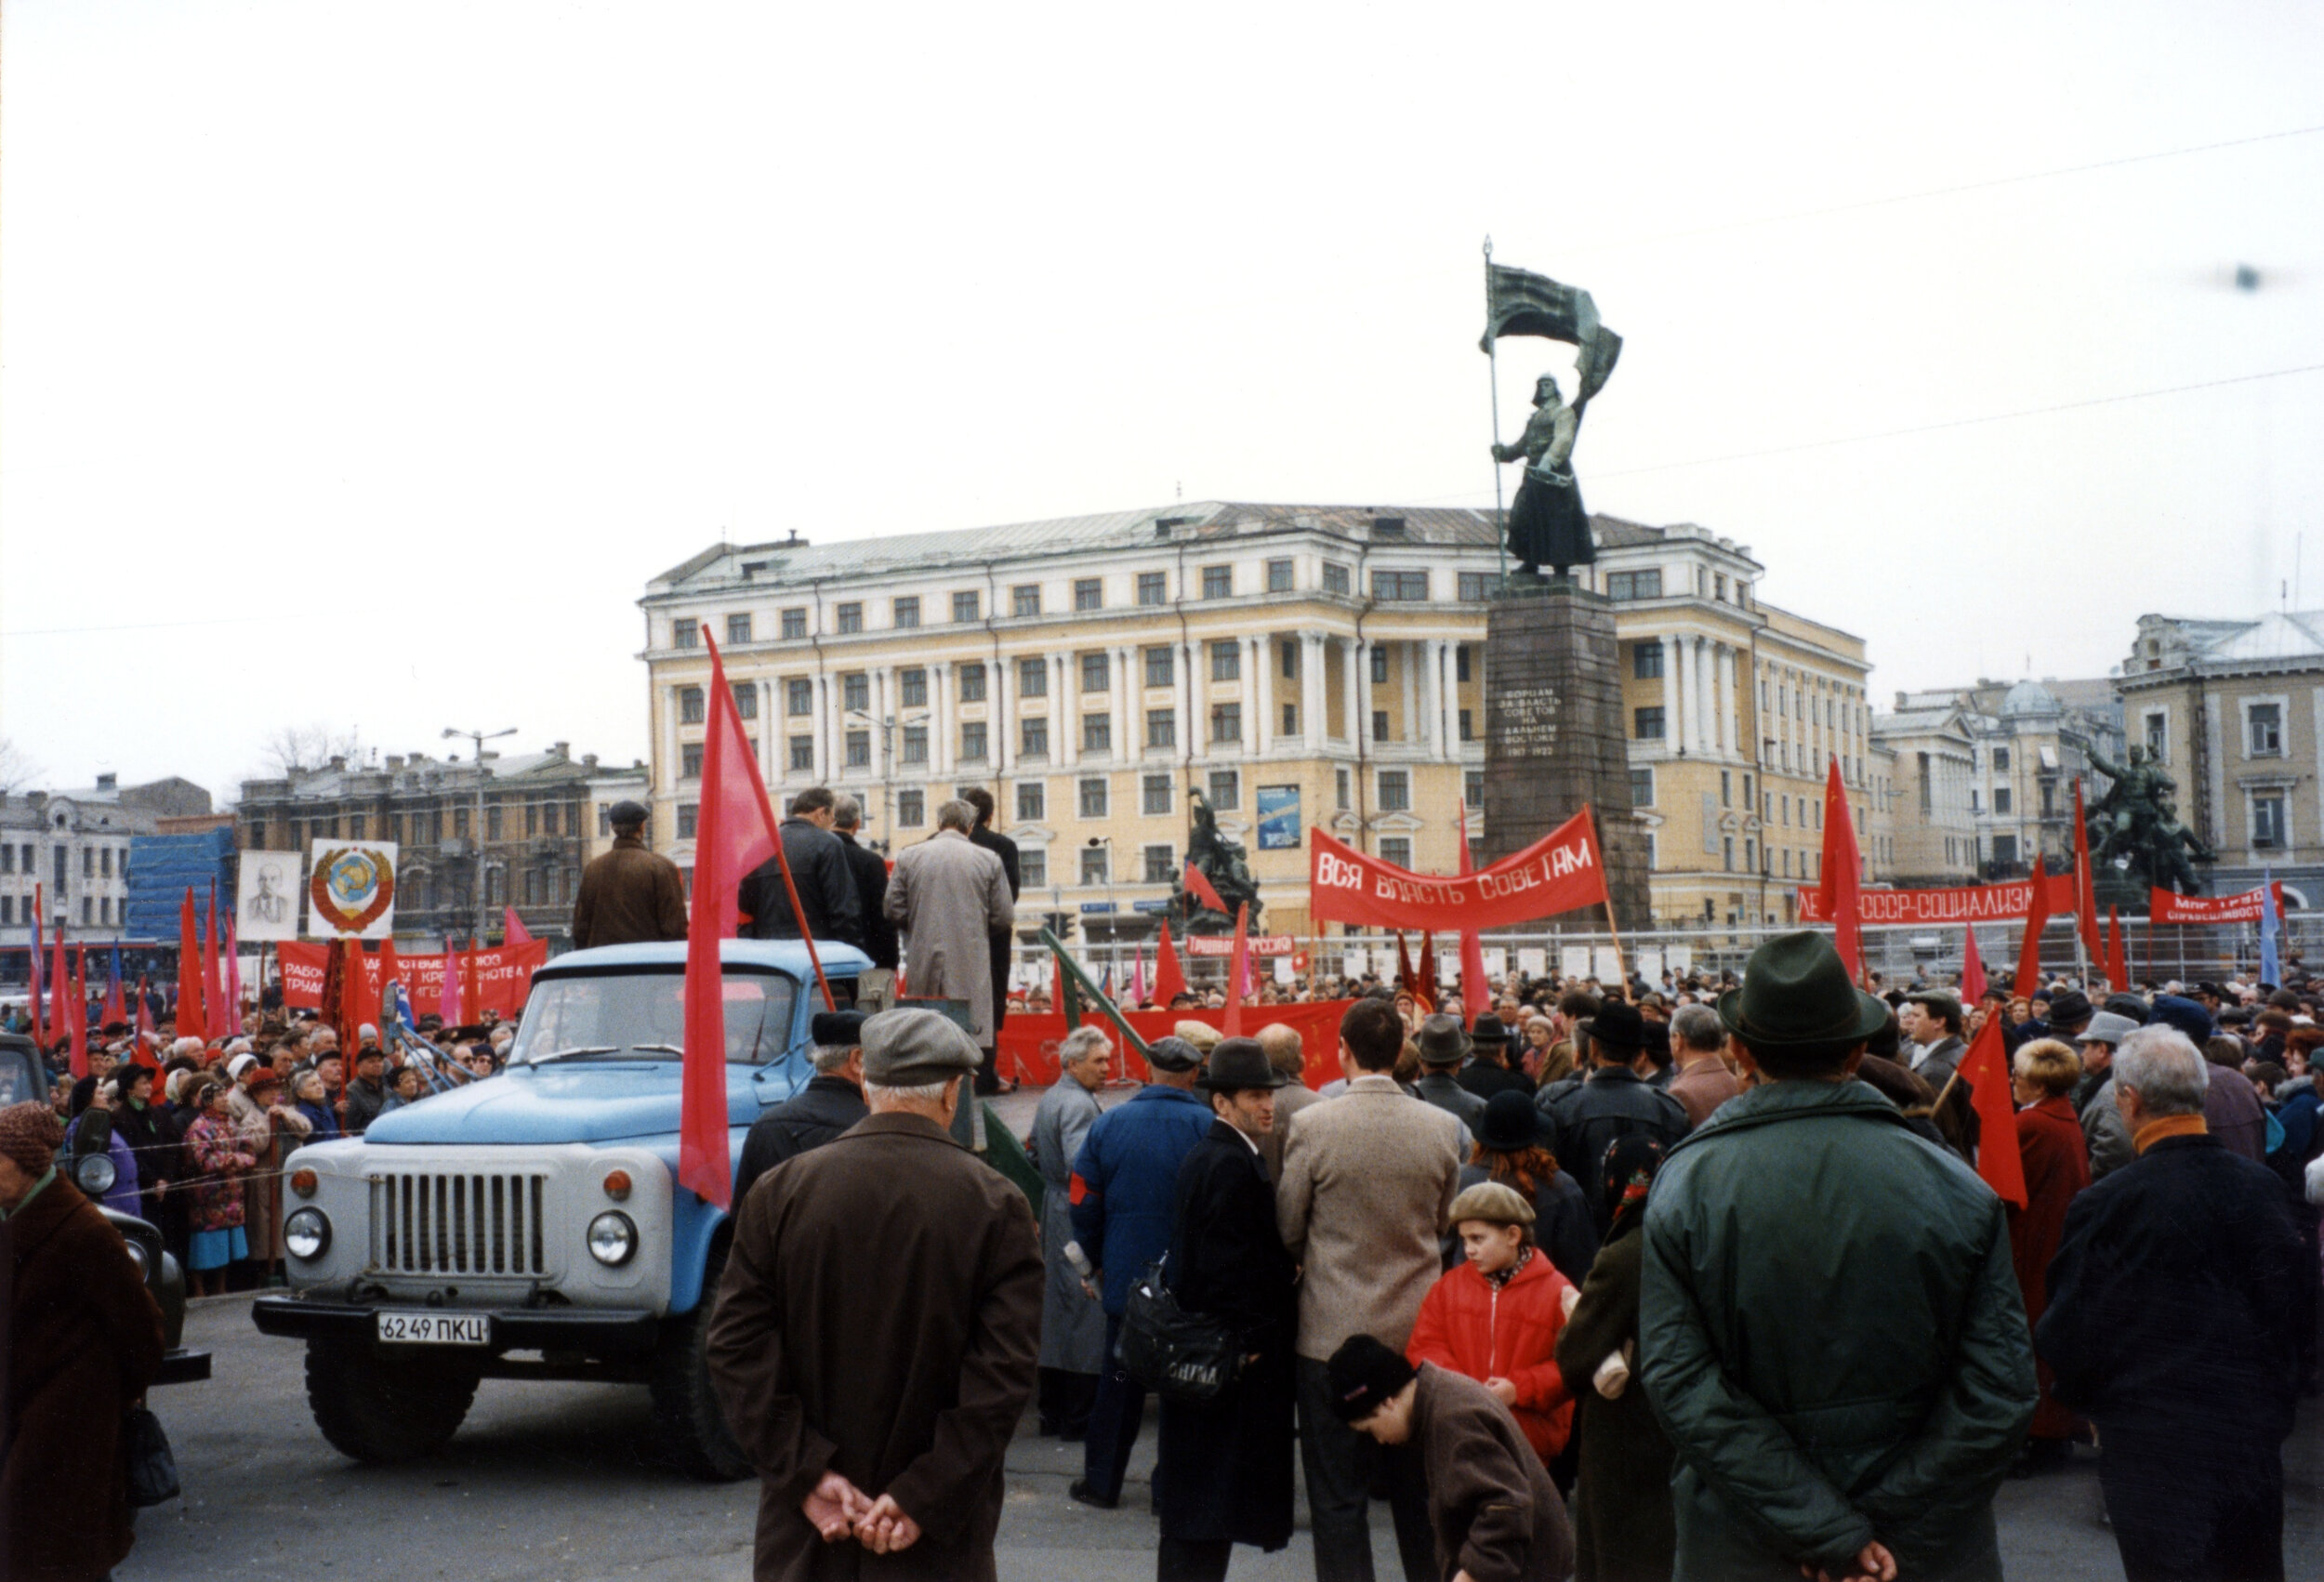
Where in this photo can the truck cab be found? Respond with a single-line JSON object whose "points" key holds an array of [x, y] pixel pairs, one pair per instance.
{"points": [[530, 1225]]}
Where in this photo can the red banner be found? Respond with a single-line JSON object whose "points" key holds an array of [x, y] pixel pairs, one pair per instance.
{"points": [[2162, 906], [1223, 944], [505, 975], [1557, 872], [1028, 1044], [1978, 903]]}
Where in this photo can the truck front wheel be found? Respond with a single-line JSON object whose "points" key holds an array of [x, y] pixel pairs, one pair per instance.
{"points": [[375, 1405], [690, 1432]]}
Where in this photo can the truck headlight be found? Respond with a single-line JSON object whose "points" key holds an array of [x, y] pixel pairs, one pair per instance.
{"points": [[613, 1240], [306, 1234], [95, 1174]]}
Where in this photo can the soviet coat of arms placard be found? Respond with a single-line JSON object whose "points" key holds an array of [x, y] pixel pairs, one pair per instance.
{"points": [[350, 891]]}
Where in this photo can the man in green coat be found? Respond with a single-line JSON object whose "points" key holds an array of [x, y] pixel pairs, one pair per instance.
{"points": [[1830, 1329]]}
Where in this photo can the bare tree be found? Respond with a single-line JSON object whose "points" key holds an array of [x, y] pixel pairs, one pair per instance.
{"points": [[300, 747], [16, 767]]}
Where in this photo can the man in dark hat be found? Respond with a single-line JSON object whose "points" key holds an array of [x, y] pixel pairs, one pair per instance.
{"points": [[1223, 1470], [1488, 1071], [1802, 1210], [1613, 1103], [1443, 1046], [832, 1101], [628, 895]]}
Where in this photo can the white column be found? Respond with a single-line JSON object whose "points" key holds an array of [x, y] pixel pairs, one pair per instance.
{"points": [[1258, 692], [1363, 692], [882, 702], [1120, 690], [1699, 678], [1350, 691], [1190, 695], [940, 755], [818, 730], [1671, 660], [1065, 709], [1312, 690], [1438, 653], [1731, 674], [1000, 719]]}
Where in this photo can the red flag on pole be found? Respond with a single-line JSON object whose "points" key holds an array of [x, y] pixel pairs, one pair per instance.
{"points": [[1986, 1069], [2085, 886], [59, 988], [513, 930], [1232, 1026], [213, 996], [1201, 889], [191, 1022], [2037, 920], [144, 1023], [2117, 950], [1408, 979], [471, 985], [1971, 972], [40, 1019], [116, 1010], [1424, 980], [1473, 988], [1839, 884], [448, 992], [1169, 979], [77, 1012]]}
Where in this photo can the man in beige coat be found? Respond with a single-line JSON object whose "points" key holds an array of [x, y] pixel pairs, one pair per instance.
{"points": [[950, 897], [1368, 1179]]}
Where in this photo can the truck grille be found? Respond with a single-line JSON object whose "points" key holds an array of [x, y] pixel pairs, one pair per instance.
{"points": [[458, 1224]]}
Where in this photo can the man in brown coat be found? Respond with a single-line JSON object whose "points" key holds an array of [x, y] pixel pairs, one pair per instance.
{"points": [[629, 895], [877, 1328], [81, 1340]]}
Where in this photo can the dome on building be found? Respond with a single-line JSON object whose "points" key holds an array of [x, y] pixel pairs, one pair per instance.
{"points": [[2028, 697]]}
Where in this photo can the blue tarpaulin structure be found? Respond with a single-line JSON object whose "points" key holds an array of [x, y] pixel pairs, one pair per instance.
{"points": [[161, 867]]}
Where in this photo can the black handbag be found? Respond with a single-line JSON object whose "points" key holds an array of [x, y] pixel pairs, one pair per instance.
{"points": [[149, 1467], [1178, 1355]]}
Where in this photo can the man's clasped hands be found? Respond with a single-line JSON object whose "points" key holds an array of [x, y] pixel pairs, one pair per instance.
{"points": [[841, 1511]]}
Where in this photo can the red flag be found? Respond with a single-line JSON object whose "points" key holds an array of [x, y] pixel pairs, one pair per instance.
{"points": [[1986, 1069], [1838, 885], [1971, 972], [1201, 889], [1424, 984], [145, 1024], [1473, 988], [471, 986], [2037, 918], [2085, 886], [1408, 979], [1169, 979], [2117, 950], [448, 992], [115, 1009], [513, 928], [1232, 1027], [40, 1021], [189, 1016], [77, 1012], [213, 996], [59, 988]]}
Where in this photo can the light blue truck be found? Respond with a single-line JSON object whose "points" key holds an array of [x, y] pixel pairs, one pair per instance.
{"points": [[531, 1226]]}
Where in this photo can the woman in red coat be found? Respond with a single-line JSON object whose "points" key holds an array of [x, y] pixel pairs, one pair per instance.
{"points": [[2056, 1160], [1496, 1317]]}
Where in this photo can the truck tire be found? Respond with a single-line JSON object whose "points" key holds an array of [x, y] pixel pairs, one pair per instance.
{"points": [[690, 1432], [377, 1406]]}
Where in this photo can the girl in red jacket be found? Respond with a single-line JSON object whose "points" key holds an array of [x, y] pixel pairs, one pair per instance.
{"points": [[1496, 1317]]}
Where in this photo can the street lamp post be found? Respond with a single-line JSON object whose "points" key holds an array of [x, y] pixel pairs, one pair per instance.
{"points": [[885, 725], [476, 827]]}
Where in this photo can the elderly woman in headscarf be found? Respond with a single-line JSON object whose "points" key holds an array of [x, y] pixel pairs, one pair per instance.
{"points": [[1624, 1530]]}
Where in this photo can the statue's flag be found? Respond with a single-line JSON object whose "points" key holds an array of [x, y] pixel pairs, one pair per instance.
{"points": [[1201, 889], [1520, 302]]}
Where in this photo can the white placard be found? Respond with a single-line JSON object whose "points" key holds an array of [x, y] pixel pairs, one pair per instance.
{"points": [[1533, 963], [1352, 962], [1650, 967], [1609, 962], [1573, 961], [1496, 962], [1681, 957], [1283, 969], [351, 890], [266, 896]]}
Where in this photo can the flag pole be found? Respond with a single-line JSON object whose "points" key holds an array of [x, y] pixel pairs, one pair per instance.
{"points": [[1621, 961], [1493, 376]]}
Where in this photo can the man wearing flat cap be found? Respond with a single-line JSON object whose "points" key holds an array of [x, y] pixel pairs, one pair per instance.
{"points": [[832, 1101], [876, 1329], [628, 895], [1830, 1327]]}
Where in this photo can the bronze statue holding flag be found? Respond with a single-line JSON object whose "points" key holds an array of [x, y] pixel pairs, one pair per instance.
{"points": [[1547, 525]]}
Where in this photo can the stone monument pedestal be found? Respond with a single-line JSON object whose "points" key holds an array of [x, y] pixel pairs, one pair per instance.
{"points": [[1555, 739]]}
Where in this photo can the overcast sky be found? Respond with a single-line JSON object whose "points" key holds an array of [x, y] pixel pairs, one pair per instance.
{"points": [[360, 364]]}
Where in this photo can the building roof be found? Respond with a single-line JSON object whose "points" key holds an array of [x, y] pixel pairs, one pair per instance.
{"points": [[2298, 635], [2028, 697], [1914, 721]]}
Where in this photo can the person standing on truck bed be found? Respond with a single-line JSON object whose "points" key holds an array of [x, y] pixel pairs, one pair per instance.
{"points": [[832, 1101], [874, 1385], [628, 895], [950, 897], [871, 882], [819, 872]]}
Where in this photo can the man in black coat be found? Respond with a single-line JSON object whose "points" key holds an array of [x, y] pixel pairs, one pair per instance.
{"points": [[819, 870], [2169, 1326], [1223, 1474], [1615, 1102], [1490, 1072], [832, 1101], [999, 845], [871, 882]]}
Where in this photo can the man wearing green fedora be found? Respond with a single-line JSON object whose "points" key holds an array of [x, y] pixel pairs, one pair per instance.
{"points": [[1832, 1330]]}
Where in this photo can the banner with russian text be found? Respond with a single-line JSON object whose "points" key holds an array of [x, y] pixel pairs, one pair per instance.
{"points": [[1223, 944], [1558, 873], [2165, 907], [1028, 1042], [505, 975], [1975, 904]]}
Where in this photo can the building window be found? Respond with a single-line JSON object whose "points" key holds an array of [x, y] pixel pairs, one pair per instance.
{"points": [[1226, 790], [1097, 732], [1032, 867], [1380, 663], [1226, 661], [972, 683], [2048, 797], [1476, 587], [855, 692], [745, 698], [798, 697], [685, 633], [1633, 585], [737, 629], [2000, 799], [687, 813], [1152, 587], [1025, 599], [2001, 760], [1379, 725], [1033, 677], [2158, 736], [690, 705], [1396, 849], [1161, 868], [803, 755], [1161, 668], [1032, 802], [1460, 662], [1467, 732], [912, 687], [1088, 593], [1033, 738], [1093, 673], [1646, 724], [1161, 728], [911, 809], [851, 618], [1404, 586], [794, 623], [2264, 722], [1218, 582], [1290, 719], [689, 764], [1472, 789], [1290, 661], [1395, 791], [1155, 795], [1726, 853], [1641, 787], [1341, 789], [972, 739], [1645, 661], [1335, 577], [1279, 576], [908, 611], [915, 743], [1091, 797], [1226, 722], [2268, 832], [966, 606], [859, 749], [1095, 866]]}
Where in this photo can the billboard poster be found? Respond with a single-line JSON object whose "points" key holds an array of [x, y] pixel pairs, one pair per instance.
{"points": [[351, 890], [1278, 818], [266, 897]]}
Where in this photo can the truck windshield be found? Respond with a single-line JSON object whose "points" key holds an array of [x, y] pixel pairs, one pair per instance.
{"points": [[622, 1015], [20, 1077]]}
